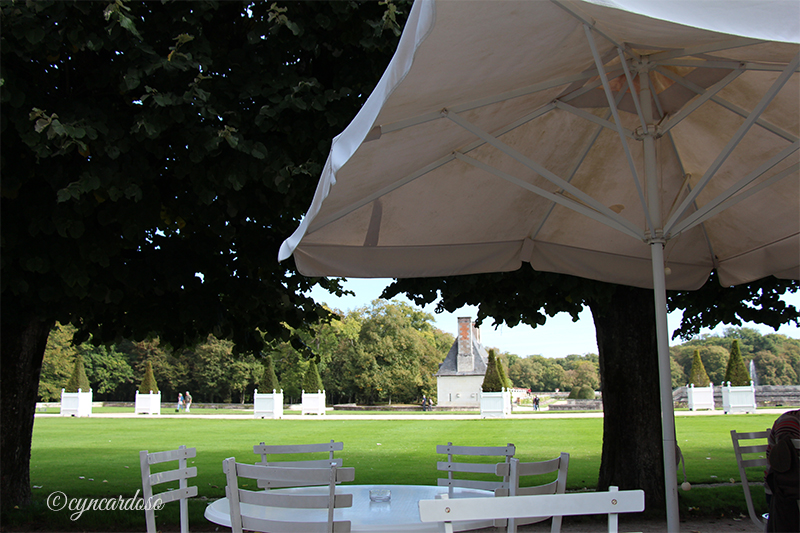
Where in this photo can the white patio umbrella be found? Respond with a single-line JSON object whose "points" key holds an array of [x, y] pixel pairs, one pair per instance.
{"points": [[639, 143]]}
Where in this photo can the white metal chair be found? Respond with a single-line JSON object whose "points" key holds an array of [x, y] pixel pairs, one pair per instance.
{"points": [[450, 466], [447, 510], [181, 474], [267, 450], [296, 520], [761, 461], [517, 469]]}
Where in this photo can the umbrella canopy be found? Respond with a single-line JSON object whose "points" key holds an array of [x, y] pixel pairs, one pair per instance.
{"points": [[629, 142]]}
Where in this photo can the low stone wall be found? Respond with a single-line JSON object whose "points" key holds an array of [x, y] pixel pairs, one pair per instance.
{"points": [[394, 407], [577, 405], [766, 396]]}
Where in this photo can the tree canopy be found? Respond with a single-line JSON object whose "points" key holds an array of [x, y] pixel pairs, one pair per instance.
{"points": [[155, 155]]}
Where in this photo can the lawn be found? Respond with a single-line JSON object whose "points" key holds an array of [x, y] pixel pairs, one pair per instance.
{"points": [[96, 458]]}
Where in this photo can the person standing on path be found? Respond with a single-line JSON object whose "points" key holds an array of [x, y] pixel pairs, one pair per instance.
{"points": [[180, 403], [188, 401]]}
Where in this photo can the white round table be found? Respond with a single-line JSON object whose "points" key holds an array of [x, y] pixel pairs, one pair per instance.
{"points": [[398, 515]]}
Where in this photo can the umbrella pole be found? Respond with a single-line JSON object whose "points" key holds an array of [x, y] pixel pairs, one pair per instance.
{"points": [[665, 389], [656, 241]]}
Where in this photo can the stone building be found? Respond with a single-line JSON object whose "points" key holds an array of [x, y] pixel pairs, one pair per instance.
{"points": [[461, 374]]}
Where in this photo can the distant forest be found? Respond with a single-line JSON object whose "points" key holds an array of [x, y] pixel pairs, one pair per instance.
{"points": [[388, 352]]}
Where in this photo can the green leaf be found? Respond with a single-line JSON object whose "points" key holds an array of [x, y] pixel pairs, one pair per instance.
{"points": [[259, 151], [127, 23], [131, 79], [35, 35]]}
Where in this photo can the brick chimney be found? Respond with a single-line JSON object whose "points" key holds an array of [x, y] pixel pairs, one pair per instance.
{"points": [[465, 361]]}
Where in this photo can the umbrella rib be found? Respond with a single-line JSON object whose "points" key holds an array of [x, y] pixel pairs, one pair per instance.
{"points": [[704, 49], [697, 102], [632, 86], [711, 254], [322, 222], [557, 198], [539, 169], [721, 64], [734, 141], [618, 121], [728, 105], [578, 162], [575, 167], [594, 118], [509, 95], [727, 198], [587, 22]]}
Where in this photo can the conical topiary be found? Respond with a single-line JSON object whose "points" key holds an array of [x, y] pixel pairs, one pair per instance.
{"points": [[269, 380], [698, 375], [78, 379], [312, 382], [736, 372], [502, 372], [148, 381], [491, 380]]}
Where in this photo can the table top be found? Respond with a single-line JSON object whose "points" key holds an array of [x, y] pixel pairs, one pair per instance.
{"points": [[401, 514]]}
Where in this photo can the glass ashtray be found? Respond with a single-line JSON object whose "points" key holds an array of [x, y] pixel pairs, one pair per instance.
{"points": [[380, 495]]}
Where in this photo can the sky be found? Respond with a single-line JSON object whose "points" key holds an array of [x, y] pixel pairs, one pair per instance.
{"points": [[559, 336]]}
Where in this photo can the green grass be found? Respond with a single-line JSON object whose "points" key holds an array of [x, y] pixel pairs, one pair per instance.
{"points": [[96, 458]]}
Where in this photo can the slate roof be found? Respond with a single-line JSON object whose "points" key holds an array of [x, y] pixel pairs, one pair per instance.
{"points": [[448, 367]]}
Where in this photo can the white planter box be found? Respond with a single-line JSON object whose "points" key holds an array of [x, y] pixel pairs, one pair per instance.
{"points": [[739, 399], [700, 397], [268, 405], [495, 404], [313, 403], [76, 403], [148, 404]]}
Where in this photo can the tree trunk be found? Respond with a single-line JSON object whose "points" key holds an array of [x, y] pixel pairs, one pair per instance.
{"points": [[24, 338], [632, 444]]}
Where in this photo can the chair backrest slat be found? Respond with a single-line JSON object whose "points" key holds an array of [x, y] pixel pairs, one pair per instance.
{"points": [[507, 451], [472, 468], [274, 498], [171, 455], [471, 484], [267, 450], [177, 494], [612, 503], [298, 448], [313, 463], [173, 475]]}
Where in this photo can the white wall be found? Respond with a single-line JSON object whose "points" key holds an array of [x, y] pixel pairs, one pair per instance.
{"points": [[459, 391]]}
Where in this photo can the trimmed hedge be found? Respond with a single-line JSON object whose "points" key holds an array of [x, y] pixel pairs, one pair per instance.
{"points": [[78, 379], [699, 376], [312, 382], [736, 372], [269, 380], [492, 381], [148, 381]]}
